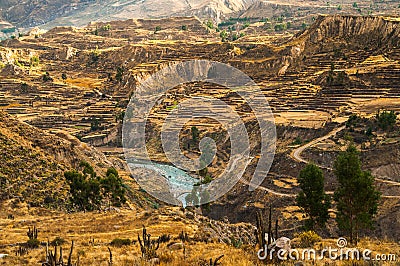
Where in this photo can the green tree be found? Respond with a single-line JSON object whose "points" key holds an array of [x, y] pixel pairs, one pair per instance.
{"points": [[112, 188], [312, 199], [223, 35], [95, 124], [356, 196], [280, 27], [84, 190], [386, 119], [87, 169], [95, 55], [34, 61], [106, 27], [210, 24], [87, 190], [192, 199], [195, 134], [120, 73], [198, 197], [207, 179], [46, 77]]}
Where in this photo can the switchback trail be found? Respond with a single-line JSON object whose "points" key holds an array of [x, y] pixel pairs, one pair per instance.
{"points": [[296, 155]]}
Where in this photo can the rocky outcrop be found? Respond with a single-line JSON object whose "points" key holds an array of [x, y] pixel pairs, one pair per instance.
{"points": [[373, 32]]}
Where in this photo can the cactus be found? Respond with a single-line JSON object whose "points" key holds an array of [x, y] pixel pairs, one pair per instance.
{"points": [[69, 263], [216, 261], [148, 246], [32, 234], [21, 251], [184, 237], [110, 261], [51, 258], [262, 232]]}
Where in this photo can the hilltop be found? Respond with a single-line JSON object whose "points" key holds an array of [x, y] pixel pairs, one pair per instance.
{"points": [[78, 13]]}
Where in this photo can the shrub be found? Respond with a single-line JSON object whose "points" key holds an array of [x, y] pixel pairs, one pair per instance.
{"points": [[280, 27], [119, 242], [33, 243], [308, 239], [297, 141], [237, 243], [120, 73], [58, 241], [87, 190], [34, 61], [165, 238], [210, 24], [223, 35], [353, 120], [386, 119], [46, 77], [207, 179], [106, 27], [95, 55]]}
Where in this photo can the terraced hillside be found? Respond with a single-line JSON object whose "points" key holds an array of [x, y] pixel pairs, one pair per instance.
{"points": [[79, 81]]}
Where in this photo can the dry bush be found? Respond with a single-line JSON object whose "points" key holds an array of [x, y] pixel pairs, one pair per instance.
{"points": [[308, 239]]}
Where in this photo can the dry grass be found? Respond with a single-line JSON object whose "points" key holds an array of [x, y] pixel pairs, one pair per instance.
{"points": [[83, 228], [103, 228]]}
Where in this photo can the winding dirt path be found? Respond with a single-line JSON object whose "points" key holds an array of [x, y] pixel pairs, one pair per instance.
{"points": [[296, 155], [270, 191]]}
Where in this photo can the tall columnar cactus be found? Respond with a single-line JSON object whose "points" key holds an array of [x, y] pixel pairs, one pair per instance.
{"points": [[260, 233], [32, 234], [53, 260], [110, 262], [148, 246], [264, 235]]}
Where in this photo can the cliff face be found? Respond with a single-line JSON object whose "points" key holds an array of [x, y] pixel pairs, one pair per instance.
{"points": [[372, 32], [344, 38]]}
